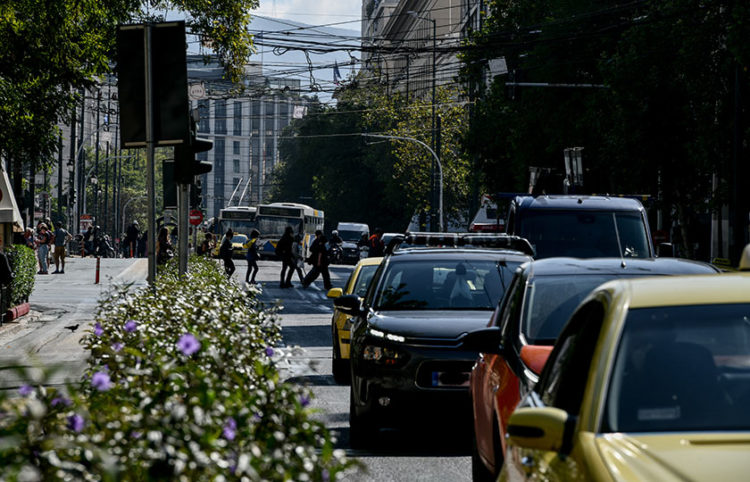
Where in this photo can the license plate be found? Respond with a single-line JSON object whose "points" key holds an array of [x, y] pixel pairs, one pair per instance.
{"points": [[450, 379]]}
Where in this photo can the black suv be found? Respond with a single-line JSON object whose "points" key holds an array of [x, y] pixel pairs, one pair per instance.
{"points": [[406, 353]]}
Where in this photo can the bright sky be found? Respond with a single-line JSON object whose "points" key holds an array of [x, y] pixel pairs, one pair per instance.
{"points": [[315, 12]]}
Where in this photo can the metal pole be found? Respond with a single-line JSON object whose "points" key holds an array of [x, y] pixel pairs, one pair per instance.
{"points": [[434, 75], [150, 151], [183, 199]]}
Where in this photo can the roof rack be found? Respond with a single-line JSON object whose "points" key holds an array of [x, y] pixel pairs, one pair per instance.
{"points": [[459, 240]]}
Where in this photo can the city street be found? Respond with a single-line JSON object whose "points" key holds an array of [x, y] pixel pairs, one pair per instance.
{"points": [[439, 451]]}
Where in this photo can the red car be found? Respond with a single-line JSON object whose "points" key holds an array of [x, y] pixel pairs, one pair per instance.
{"points": [[523, 328]]}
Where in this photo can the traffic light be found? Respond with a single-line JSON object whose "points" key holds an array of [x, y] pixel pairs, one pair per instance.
{"points": [[186, 166]]}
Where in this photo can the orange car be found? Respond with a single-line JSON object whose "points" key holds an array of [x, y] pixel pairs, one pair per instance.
{"points": [[520, 334]]}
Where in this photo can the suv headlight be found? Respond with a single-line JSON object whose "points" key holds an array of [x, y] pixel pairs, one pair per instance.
{"points": [[379, 353]]}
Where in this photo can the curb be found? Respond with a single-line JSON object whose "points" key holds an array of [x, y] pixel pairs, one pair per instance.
{"points": [[11, 327]]}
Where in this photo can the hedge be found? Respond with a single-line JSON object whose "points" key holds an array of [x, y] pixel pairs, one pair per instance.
{"points": [[182, 383], [23, 263]]}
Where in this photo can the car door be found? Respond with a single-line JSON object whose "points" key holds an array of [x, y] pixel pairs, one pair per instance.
{"points": [[562, 385]]}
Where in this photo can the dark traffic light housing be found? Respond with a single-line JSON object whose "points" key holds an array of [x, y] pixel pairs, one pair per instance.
{"points": [[186, 166]]}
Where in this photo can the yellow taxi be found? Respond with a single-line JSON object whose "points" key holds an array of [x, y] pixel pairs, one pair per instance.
{"points": [[238, 246], [357, 284], [649, 380]]}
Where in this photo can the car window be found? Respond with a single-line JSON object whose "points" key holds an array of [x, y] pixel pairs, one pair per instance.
{"points": [[550, 300], [363, 280], [458, 284], [564, 377], [512, 304], [585, 234], [681, 368]]}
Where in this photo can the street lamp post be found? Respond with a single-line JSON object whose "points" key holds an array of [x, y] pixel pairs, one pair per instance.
{"points": [[434, 75], [437, 163]]}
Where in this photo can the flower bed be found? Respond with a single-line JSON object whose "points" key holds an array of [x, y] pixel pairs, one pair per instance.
{"points": [[180, 385]]}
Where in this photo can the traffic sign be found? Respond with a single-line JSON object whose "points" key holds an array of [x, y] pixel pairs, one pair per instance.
{"points": [[196, 217]]}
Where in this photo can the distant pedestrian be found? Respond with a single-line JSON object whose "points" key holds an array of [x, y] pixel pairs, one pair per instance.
{"points": [[143, 245], [375, 244], [319, 259], [43, 241], [252, 256], [28, 238], [225, 253], [131, 240], [284, 252], [61, 237], [299, 259]]}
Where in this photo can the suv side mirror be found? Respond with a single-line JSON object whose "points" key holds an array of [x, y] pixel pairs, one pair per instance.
{"points": [[665, 250], [485, 340], [348, 304]]}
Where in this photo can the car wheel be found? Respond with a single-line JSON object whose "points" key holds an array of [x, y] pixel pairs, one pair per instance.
{"points": [[363, 424], [339, 366]]}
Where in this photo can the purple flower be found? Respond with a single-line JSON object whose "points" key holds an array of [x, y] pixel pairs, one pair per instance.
{"points": [[325, 475], [25, 390], [304, 400], [188, 344], [98, 329], [230, 429], [131, 326], [135, 435], [101, 381], [117, 346], [75, 422], [258, 416], [269, 351], [60, 400]]}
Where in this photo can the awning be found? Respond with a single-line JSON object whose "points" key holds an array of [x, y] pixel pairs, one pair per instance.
{"points": [[9, 212]]}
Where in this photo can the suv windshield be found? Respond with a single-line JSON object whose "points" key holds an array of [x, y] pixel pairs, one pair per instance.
{"points": [[585, 234], [456, 284], [353, 236], [682, 368]]}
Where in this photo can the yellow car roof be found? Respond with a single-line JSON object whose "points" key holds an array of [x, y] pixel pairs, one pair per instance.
{"points": [[370, 261], [686, 290]]}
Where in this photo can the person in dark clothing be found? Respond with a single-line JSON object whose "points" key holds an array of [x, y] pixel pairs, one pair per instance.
{"points": [[319, 255], [252, 256], [131, 240], [143, 245], [285, 254], [225, 253], [375, 244]]}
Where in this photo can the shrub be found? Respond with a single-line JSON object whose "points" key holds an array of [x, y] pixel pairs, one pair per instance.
{"points": [[181, 384], [23, 263]]}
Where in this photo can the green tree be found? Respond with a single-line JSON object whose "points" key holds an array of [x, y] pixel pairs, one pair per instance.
{"points": [[54, 49]]}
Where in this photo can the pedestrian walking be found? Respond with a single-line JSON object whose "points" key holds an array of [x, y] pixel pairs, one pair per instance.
{"points": [[143, 245], [284, 252], [319, 259], [131, 240], [28, 238], [299, 260], [252, 256], [60, 240], [225, 253], [375, 244], [43, 240]]}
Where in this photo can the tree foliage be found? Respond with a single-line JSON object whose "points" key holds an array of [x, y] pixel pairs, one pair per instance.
{"points": [[662, 124], [53, 49], [379, 181]]}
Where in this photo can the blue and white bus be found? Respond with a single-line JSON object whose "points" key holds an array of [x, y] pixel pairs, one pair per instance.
{"points": [[273, 219]]}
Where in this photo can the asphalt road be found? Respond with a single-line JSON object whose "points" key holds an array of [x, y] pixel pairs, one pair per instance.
{"points": [[429, 450]]}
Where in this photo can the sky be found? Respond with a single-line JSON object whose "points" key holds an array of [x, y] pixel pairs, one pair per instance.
{"points": [[315, 12]]}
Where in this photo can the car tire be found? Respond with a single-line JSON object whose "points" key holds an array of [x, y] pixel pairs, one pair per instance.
{"points": [[339, 366], [363, 424]]}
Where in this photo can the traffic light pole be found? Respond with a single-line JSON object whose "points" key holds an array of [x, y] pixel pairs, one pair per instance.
{"points": [[183, 199], [150, 152]]}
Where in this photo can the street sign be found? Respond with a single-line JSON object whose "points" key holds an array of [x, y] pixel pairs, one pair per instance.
{"points": [[196, 217]]}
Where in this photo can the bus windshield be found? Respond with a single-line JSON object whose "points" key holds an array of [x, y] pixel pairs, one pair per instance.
{"points": [[273, 227]]}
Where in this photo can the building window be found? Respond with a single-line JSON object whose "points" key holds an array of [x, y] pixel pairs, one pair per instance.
{"points": [[236, 163], [237, 118], [236, 148], [204, 124], [220, 116]]}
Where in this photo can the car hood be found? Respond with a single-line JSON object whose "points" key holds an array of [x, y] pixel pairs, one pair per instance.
{"points": [[676, 456], [426, 324], [349, 245]]}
